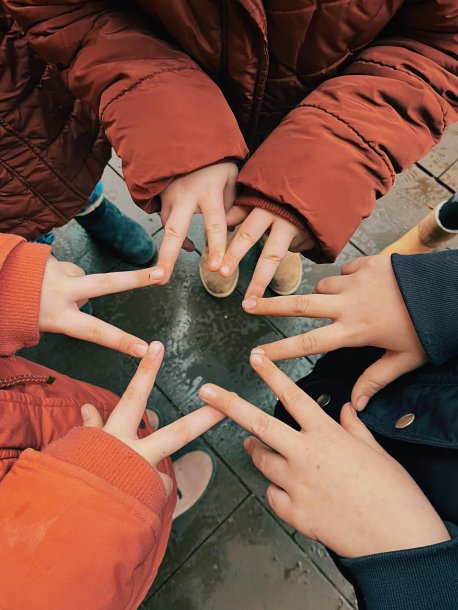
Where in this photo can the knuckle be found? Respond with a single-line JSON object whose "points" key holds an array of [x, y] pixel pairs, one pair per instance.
{"points": [[260, 424], [246, 237], [182, 433], [94, 333], [308, 342], [300, 304], [171, 231], [215, 228], [291, 394], [272, 258]]}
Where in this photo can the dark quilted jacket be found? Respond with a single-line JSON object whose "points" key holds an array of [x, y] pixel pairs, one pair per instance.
{"points": [[330, 98]]}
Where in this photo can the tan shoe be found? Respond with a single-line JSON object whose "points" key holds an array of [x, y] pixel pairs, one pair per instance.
{"points": [[423, 238], [194, 473], [288, 276], [215, 284]]}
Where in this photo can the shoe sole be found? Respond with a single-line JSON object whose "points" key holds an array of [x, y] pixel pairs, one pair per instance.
{"points": [[220, 295]]}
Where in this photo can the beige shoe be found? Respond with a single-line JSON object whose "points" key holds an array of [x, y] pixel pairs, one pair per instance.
{"points": [[288, 276], [194, 473], [215, 284], [423, 238]]}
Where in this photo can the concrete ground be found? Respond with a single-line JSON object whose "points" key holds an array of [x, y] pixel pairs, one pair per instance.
{"points": [[229, 552]]}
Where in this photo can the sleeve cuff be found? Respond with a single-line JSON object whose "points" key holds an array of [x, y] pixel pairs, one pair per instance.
{"points": [[112, 460], [253, 199], [21, 277], [414, 579]]}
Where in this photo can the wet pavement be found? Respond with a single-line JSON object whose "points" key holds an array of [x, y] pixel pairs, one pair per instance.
{"points": [[230, 552]]}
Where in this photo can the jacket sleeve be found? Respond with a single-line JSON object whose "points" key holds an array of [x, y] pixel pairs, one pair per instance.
{"points": [[418, 579], [145, 91], [22, 266], [429, 286], [340, 149], [72, 527]]}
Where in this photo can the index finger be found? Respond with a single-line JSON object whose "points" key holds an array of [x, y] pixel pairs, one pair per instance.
{"points": [[100, 284], [305, 305], [178, 434], [129, 411], [269, 430], [298, 404]]}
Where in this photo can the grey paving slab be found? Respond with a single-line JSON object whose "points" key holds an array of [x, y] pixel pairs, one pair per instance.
{"points": [[411, 198], [444, 154], [249, 563], [321, 558], [450, 176]]}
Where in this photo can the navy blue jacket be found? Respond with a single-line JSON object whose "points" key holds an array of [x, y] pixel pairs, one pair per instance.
{"points": [[424, 578]]}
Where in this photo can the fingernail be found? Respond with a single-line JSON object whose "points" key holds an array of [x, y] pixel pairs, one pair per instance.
{"points": [[207, 392], [139, 350], [155, 347], [225, 270], [352, 409], [246, 443], [157, 273], [256, 358], [214, 262], [85, 412], [361, 403], [257, 350], [249, 303]]}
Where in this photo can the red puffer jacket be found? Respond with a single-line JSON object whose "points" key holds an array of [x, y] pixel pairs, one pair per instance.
{"points": [[331, 98]]}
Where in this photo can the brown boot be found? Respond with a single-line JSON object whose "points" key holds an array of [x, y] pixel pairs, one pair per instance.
{"points": [[424, 237], [215, 284]]}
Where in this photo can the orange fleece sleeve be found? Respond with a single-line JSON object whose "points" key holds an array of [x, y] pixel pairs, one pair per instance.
{"points": [[22, 266], [84, 524]]}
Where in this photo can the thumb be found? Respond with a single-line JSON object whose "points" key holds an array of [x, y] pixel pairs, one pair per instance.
{"points": [[91, 417], [350, 421], [376, 377]]}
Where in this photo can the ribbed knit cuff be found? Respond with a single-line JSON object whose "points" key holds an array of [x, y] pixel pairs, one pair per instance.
{"points": [[253, 199], [112, 460], [417, 579], [21, 279]]}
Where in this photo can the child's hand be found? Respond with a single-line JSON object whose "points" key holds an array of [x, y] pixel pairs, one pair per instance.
{"points": [[65, 288], [366, 308], [211, 191], [333, 483], [124, 420], [283, 236]]}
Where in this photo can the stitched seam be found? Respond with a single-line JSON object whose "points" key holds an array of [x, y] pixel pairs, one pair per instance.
{"points": [[39, 196], [411, 75], [362, 138], [142, 80], [25, 140]]}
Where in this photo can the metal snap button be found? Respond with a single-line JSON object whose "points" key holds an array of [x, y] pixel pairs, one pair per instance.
{"points": [[323, 400], [404, 421]]}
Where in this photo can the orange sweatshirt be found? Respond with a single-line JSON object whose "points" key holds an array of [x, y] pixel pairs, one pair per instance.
{"points": [[84, 520]]}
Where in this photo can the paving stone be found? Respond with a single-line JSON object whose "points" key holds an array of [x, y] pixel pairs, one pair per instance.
{"points": [[321, 558], [248, 563], [450, 177], [444, 154], [411, 198]]}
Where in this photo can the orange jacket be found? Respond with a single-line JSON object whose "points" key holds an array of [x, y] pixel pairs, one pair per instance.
{"points": [[84, 520], [331, 98]]}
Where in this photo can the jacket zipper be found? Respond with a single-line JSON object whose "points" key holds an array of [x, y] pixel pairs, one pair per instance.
{"points": [[9, 382]]}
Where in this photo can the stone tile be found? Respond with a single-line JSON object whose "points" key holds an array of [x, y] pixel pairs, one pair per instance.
{"points": [[248, 563], [444, 154], [411, 198], [321, 558], [450, 177]]}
